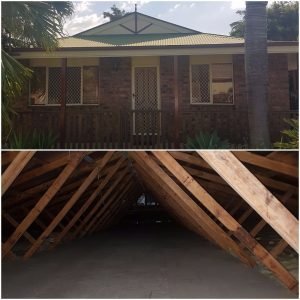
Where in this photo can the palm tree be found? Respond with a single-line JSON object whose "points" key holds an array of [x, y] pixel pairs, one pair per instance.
{"points": [[26, 24], [256, 67]]}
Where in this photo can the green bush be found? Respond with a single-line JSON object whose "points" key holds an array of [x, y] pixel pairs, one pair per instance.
{"points": [[290, 138], [205, 140], [34, 140]]}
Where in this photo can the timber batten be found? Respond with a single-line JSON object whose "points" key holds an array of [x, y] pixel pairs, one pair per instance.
{"points": [[73, 195]]}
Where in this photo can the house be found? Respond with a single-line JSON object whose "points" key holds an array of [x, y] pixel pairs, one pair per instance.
{"points": [[140, 82]]}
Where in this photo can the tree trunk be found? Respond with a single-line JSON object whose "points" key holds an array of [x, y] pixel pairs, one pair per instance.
{"points": [[256, 63]]}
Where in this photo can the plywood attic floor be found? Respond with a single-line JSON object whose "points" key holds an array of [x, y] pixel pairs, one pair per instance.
{"points": [[147, 261], [229, 200]]}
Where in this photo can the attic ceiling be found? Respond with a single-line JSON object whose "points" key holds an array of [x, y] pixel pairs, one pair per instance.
{"points": [[228, 198]]}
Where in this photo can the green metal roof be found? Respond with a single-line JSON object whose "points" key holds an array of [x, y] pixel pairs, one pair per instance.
{"points": [[148, 40]]}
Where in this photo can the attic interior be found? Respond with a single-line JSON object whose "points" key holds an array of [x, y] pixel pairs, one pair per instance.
{"points": [[159, 224]]}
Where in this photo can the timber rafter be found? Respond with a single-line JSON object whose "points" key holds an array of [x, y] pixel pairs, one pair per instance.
{"points": [[69, 195]]}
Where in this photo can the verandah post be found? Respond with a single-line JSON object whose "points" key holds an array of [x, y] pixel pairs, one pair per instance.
{"points": [[63, 102], [176, 104]]}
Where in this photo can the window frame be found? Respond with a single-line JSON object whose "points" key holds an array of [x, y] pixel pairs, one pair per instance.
{"points": [[67, 104], [210, 83]]}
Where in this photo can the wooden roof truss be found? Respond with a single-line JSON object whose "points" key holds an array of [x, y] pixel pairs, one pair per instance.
{"points": [[229, 198]]}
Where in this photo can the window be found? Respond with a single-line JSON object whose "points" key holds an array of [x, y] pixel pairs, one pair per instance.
{"points": [[38, 86], [211, 84], [90, 85], [81, 85]]}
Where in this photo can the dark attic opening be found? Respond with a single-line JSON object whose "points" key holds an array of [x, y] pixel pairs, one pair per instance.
{"points": [[140, 224]]}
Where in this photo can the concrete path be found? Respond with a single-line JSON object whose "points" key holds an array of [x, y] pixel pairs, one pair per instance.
{"points": [[160, 261]]}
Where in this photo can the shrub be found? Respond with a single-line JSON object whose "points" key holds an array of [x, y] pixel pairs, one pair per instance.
{"points": [[205, 140], [290, 138], [34, 140]]}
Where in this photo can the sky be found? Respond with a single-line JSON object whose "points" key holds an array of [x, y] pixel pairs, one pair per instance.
{"points": [[204, 16]]}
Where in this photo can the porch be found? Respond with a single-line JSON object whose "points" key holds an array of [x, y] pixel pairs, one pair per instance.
{"points": [[94, 127]]}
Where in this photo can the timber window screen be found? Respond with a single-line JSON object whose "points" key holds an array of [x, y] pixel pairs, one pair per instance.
{"points": [[81, 86], [212, 83]]}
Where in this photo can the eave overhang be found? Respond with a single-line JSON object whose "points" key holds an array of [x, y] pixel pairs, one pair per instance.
{"points": [[128, 51]]}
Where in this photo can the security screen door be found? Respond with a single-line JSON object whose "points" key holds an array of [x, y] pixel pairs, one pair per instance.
{"points": [[146, 113]]}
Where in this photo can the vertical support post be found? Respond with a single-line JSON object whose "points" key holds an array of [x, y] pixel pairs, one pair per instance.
{"points": [[176, 103], [63, 102], [256, 68], [135, 19]]}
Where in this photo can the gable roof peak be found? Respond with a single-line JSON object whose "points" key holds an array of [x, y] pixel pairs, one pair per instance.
{"points": [[135, 23]]}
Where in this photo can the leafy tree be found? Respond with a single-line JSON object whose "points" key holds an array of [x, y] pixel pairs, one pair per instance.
{"points": [[115, 14], [283, 21], [283, 18], [238, 27], [26, 24]]}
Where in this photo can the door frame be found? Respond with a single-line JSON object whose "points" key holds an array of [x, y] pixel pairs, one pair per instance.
{"points": [[139, 62]]}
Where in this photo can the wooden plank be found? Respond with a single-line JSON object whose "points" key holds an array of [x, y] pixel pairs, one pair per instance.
{"points": [[269, 182], [97, 211], [37, 221], [167, 185], [51, 217], [255, 194], [41, 170], [69, 204], [262, 223], [11, 255], [172, 206], [8, 157], [15, 224], [15, 168], [279, 248], [95, 208], [84, 207], [42, 203], [118, 195], [267, 163], [225, 218], [117, 211]]}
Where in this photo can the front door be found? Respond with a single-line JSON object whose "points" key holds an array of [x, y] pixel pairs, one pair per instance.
{"points": [[145, 102]]}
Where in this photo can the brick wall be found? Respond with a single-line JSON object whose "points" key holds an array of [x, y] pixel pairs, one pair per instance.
{"points": [[278, 82], [229, 121], [239, 81], [167, 83], [115, 85], [278, 92]]}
